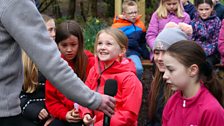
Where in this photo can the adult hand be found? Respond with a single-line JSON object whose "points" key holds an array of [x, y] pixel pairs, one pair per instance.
{"points": [[73, 116], [88, 120], [107, 105], [43, 114]]}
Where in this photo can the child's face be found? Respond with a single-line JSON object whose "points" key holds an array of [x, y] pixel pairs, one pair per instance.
{"points": [[69, 47], [171, 5], [204, 10], [131, 13], [107, 48], [51, 28], [176, 74], [158, 59]]}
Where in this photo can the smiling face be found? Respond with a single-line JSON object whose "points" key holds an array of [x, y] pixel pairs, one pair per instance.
{"points": [[107, 49], [69, 47], [176, 74], [158, 59], [204, 10], [171, 5], [51, 28]]}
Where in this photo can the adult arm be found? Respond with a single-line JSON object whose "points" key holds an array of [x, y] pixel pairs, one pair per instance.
{"points": [[27, 28]]}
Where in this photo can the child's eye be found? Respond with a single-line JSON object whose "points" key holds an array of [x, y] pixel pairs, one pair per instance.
{"points": [[99, 43], [109, 43]]}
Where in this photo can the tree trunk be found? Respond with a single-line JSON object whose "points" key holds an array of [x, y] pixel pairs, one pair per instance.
{"points": [[72, 7], [92, 8]]}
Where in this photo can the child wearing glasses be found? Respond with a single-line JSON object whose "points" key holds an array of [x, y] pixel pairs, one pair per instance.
{"points": [[129, 22]]}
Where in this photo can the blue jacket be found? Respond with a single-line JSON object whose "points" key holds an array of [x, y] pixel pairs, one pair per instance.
{"points": [[190, 9], [136, 35], [219, 8]]}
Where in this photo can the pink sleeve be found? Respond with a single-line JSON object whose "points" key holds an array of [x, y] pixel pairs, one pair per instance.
{"points": [[187, 18], [213, 117], [153, 30], [221, 40]]}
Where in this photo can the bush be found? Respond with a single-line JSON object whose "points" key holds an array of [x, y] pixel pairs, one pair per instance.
{"points": [[90, 29]]}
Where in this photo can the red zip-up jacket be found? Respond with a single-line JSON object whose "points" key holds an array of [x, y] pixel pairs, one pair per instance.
{"points": [[56, 103], [200, 110], [129, 94]]}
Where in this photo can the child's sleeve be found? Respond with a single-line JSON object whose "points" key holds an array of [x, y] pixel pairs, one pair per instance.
{"points": [[30, 109], [187, 18], [221, 40], [131, 99], [212, 117], [153, 30], [53, 103]]}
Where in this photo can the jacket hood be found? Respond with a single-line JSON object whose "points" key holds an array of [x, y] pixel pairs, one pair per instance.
{"points": [[126, 65]]}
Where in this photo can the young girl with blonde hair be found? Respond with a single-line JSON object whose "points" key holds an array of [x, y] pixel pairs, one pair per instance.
{"points": [[168, 11]]}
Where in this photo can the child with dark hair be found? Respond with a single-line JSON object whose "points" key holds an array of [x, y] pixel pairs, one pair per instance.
{"points": [[159, 91], [69, 39], [199, 97], [206, 26]]}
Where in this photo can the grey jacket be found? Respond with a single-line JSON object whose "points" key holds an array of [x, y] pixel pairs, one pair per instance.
{"points": [[21, 26]]}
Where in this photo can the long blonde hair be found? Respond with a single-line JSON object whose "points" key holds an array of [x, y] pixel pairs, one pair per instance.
{"points": [[30, 74], [163, 13]]}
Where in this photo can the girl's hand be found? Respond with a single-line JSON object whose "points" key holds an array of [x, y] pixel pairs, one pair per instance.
{"points": [[48, 121], [88, 120], [73, 116], [43, 114]]}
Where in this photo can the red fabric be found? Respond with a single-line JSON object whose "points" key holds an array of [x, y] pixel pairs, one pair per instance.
{"points": [[128, 97], [221, 42], [200, 110], [56, 103]]}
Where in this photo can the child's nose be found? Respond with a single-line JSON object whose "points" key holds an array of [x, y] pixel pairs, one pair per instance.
{"points": [[165, 77]]}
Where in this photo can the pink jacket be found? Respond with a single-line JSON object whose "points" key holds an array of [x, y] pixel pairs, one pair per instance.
{"points": [[156, 25], [221, 42], [200, 110]]}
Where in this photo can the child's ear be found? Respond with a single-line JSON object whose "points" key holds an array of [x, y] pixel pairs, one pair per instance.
{"points": [[123, 52], [193, 70]]}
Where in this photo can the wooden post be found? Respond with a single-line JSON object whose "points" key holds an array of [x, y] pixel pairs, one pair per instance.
{"points": [[117, 8], [141, 7]]}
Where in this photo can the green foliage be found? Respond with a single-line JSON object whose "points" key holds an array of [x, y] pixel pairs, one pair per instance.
{"points": [[60, 20], [90, 29]]}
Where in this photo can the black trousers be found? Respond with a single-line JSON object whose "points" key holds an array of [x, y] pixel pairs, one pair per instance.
{"points": [[57, 122], [11, 121]]}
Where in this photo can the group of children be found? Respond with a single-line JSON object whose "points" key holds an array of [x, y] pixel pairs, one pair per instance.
{"points": [[184, 90]]}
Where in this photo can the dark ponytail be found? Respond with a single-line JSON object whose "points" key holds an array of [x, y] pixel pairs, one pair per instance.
{"points": [[210, 80], [194, 54]]}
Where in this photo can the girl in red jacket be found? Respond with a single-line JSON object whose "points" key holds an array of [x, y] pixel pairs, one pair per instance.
{"points": [[199, 97], [110, 63], [69, 39]]}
